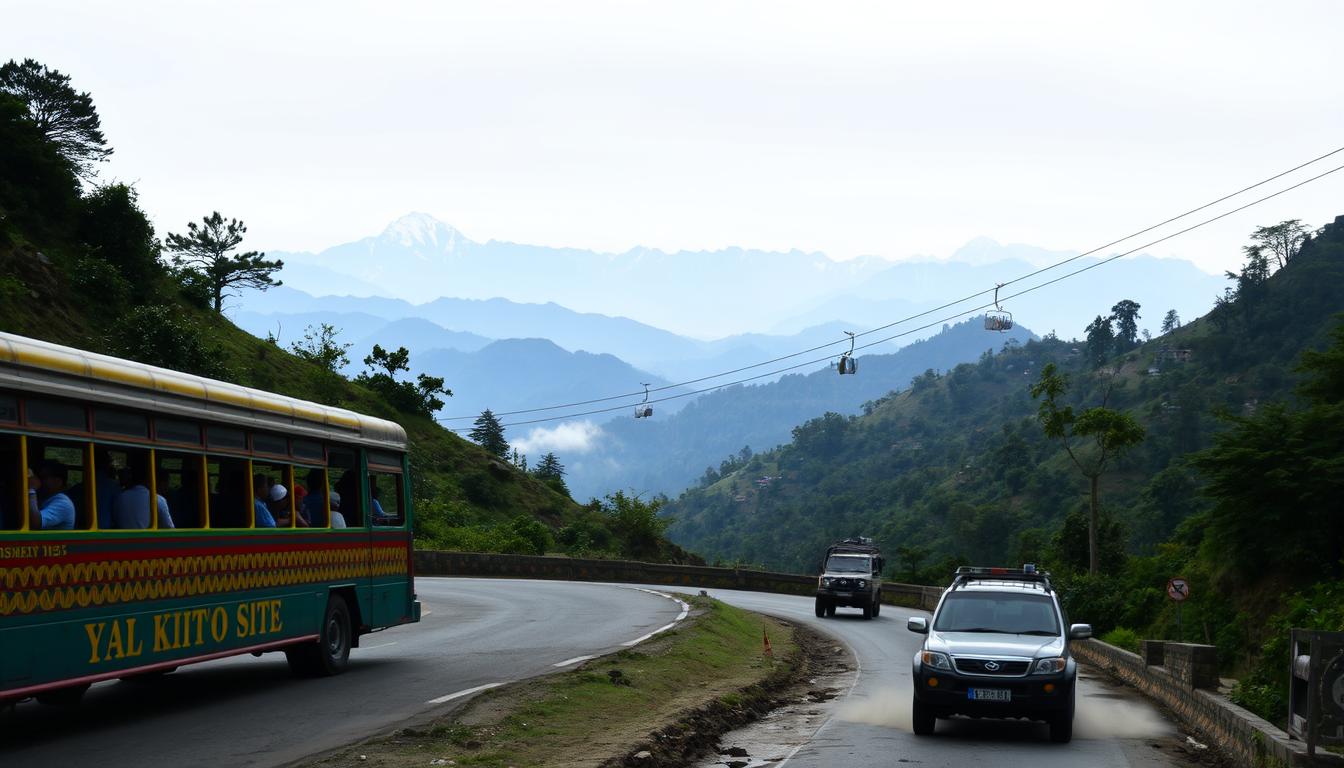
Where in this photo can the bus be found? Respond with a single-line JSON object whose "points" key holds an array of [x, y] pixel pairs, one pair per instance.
{"points": [[200, 520]]}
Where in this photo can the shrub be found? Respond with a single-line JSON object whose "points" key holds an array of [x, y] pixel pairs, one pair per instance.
{"points": [[1122, 637]]}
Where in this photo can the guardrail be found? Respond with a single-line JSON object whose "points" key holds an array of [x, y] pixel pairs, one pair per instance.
{"points": [[436, 563]]}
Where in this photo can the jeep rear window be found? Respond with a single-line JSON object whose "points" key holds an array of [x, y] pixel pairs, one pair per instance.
{"points": [[847, 564], [1002, 612]]}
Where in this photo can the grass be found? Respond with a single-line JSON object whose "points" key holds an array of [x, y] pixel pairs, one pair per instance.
{"points": [[602, 710]]}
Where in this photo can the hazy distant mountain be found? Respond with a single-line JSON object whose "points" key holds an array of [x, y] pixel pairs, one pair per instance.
{"points": [[668, 455], [716, 292], [517, 374], [420, 335]]}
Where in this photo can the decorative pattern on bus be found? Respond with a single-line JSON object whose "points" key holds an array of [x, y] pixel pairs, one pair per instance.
{"points": [[40, 588]]}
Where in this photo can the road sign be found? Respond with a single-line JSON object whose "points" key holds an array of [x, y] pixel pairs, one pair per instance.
{"points": [[1178, 589]]}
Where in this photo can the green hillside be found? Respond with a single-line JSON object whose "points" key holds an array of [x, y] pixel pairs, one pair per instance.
{"points": [[81, 265], [956, 469]]}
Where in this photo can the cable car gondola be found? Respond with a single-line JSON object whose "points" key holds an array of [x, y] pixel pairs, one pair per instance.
{"points": [[998, 319], [644, 410], [847, 364]]}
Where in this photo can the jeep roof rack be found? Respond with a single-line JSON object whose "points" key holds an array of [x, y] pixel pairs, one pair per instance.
{"points": [[1027, 575], [856, 545]]}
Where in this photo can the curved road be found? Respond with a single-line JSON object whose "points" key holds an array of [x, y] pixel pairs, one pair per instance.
{"points": [[479, 632], [251, 712]]}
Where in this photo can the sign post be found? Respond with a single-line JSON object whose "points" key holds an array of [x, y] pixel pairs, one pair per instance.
{"points": [[1178, 589]]}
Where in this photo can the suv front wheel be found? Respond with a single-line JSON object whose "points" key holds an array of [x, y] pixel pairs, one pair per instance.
{"points": [[922, 719], [1061, 726]]}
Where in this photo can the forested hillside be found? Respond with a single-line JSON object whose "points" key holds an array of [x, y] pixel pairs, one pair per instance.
{"points": [[80, 264], [1235, 483]]}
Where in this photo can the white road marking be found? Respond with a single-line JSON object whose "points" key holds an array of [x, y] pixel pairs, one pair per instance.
{"points": [[574, 660], [685, 610], [858, 672], [467, 692], [380, 645]]}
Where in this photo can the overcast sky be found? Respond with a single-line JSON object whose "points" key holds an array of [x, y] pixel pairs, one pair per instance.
{"points": [[890, 128]]}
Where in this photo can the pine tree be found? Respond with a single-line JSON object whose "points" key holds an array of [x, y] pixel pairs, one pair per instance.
{"points": [[1170, 322], [65, 117], [205, 254], [488, 433], [550, 471]]}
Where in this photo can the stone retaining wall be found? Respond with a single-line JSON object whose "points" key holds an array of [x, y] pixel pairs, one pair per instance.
{"points": [[1248, 739], [435, 563]]}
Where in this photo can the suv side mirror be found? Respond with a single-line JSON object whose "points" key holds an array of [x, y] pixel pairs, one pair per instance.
{"points": [[917, 624], [1080, 631]]}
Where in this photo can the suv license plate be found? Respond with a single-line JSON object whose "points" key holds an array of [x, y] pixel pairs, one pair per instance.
{"points": [[843, 594], [989, 694]]}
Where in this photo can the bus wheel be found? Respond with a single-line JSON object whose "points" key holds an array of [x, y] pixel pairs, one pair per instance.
{"points": [[331, 653], [65, 698]]}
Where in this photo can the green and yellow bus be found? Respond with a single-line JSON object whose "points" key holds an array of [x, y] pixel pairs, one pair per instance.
{"points": [[200, 520]]}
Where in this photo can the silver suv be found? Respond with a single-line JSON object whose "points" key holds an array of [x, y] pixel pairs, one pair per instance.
{"points": [[998, 647]]}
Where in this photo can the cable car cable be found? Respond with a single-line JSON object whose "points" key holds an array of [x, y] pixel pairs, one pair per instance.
{"points": [[950, 304], [964, 313]]}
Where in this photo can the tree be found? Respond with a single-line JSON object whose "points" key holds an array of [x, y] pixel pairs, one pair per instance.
{"points": [[1107, 434], [1100, 341], [157, 335], [488, 433], [117, 232], [207, 250], [65, 117], [1126, 314], [419, 398], [319, 347], [1282, 240], [1276, 478], [550, 471], [1170, 322]]}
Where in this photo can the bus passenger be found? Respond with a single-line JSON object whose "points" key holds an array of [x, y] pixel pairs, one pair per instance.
{"points": [[53, 509], [379, 516], [312, 507], [105, 488], [131, 508], [261, 490], [279, 505], [337, 519]]}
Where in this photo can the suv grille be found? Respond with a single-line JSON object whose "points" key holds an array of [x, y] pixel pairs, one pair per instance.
{"points": [[844, 583], [983, 667]]}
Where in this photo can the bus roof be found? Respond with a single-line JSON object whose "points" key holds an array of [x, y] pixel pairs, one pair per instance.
{"points": [[31, 365]]}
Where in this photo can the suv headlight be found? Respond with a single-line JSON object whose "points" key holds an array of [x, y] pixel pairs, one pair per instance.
{"points": [[823, 581], [936, 660], [1049, 666], [863, 584]]}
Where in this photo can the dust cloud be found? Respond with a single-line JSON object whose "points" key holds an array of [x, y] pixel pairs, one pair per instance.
{"points": [[889, 707]]}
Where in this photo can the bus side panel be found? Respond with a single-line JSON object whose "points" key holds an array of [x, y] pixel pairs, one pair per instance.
{"points": [[390, 580], [86, 605]]}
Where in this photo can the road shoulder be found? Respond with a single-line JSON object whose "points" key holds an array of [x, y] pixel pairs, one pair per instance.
{"points": [[659, 704]]}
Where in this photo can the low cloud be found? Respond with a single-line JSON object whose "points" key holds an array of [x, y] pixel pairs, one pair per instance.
{"points": [[571, 437]]}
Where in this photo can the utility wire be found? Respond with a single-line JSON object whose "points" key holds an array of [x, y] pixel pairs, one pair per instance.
{"points": [[939, 308]]}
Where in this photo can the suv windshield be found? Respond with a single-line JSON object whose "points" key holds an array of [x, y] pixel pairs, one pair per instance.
{"points": [[1003, 612], [847, 564]]}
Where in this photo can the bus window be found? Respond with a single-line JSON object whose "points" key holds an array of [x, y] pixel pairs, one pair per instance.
{"points": [[343, 474], [59, 464], [177, 478], [56, 414], [13, 484], [386, 502], [9, 409], [271, 487], [135, 508], [312, 493], [230, 492]]}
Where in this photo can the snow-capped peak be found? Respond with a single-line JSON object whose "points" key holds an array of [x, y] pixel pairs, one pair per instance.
{"points": [[421, 229]]}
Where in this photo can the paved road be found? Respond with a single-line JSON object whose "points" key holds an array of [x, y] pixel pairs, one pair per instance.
{"points": [[477, 632], [869, 722], [252, 712]]}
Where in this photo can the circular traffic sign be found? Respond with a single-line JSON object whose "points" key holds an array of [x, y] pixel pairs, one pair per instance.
{"points": [[1178, 589]]}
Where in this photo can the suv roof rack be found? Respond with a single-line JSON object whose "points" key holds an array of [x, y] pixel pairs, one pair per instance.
{"points": [[1027, 575], [856, 545]]}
